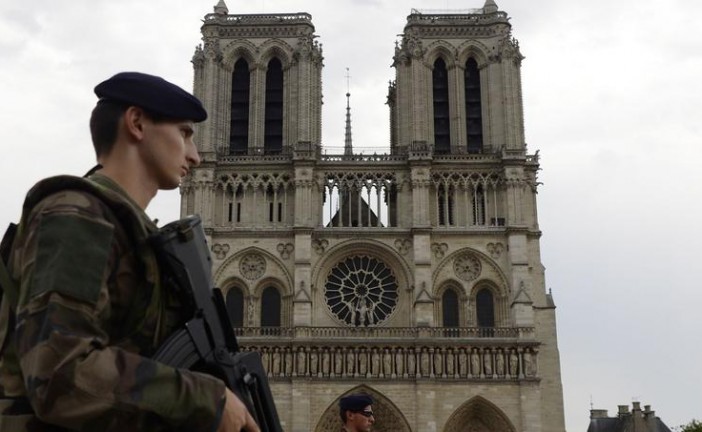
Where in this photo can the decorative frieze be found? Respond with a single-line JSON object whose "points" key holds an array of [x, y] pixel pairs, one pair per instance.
{"points": [[501, 362]]}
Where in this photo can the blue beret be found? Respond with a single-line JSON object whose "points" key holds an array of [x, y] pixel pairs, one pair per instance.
{"points": [[154, 94], [354, 402]]}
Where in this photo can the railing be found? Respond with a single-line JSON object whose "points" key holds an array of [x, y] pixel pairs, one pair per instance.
{"points": [[261, 18], [386, 333]]}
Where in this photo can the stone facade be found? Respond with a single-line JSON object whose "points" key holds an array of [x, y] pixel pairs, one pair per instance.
{"points": [[414, 276]]}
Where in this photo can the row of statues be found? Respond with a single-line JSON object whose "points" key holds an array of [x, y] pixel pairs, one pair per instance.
{"points": [[399, 362]]}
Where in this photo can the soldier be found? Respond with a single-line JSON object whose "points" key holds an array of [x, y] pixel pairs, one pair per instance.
{"points": [[356, 413], [86, 308]]}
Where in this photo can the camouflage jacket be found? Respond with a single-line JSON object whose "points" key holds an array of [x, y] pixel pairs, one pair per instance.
{"points": [[90, 311]]}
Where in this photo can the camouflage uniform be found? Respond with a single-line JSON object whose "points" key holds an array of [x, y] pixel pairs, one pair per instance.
{"points": [[89, 313]]}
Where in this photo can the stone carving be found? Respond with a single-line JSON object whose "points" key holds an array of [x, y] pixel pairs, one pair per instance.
{"points": [[495, 249], [467, 267], [220, 250], [251, 310], [411, 362], [320, 245], [529, 364], [285, 249], [438, 363], [500, 363], [252, 266], [403, 246], [338, 362], [376, 362], [487, 363], [439, 249], [276, 362], [475, 364], [350, 363], [513, 363]]}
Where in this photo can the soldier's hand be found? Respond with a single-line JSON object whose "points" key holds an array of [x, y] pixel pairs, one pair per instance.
{"points": [[236, 417]]}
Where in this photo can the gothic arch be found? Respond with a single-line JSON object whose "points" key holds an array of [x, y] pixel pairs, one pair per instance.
{"points": [[438, 295], [478, 415], [321, 270], [475, 49], [273, 269], [237, 49], [490, 268], [388, 418], [440, 49], [499, 298], [275, 48]]}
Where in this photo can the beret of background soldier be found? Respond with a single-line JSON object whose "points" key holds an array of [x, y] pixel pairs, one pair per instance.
{"points": [[355, 402]]}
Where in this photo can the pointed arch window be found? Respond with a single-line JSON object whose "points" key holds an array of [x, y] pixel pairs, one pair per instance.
{"points": [[270, 307], [442, 131], [273, 135], [235, 306], [474, 116], [239, 121], [449, 308], [485, 308]]}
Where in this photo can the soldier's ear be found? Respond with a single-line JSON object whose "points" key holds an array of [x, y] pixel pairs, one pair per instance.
{"points": [[134, 122]]}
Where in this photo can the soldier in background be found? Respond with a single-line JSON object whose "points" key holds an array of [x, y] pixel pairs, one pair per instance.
{"points": [[84, 307], [356, 413]]}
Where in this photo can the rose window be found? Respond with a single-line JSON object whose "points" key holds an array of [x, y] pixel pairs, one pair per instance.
{"points": [[361, 291]]}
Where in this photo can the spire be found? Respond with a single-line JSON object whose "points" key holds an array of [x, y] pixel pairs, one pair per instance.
{"points": [[221, 8], [490, 6], [348, 146]]}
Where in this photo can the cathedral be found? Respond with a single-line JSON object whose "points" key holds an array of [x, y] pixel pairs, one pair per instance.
{"points": [[413, 276]]}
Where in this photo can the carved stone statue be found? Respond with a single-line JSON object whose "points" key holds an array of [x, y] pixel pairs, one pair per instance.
{"points": [[529, 364], [438, 362], [301, 362], [387, 363], [424, 363], [325, 362], [288, 362], [399, 363], [475, 363], [411, 362], [362, 362], [487, 363], [463, 363], [338, 362], [350, 362], [314, 362], [513, 363], [500, 363], [449, 362], [276, 361], [375, 362]]}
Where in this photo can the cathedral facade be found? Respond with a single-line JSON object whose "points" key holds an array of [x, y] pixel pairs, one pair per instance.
{"points": [[414, 276]]}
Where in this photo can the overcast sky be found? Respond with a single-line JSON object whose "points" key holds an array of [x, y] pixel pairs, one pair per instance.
{"points": [[611, 95]]}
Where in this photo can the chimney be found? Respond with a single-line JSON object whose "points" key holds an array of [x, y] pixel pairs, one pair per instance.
{"points": [[598, 413], [623, 410]]}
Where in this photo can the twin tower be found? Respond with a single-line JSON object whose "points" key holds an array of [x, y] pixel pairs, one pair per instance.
{"points": [[415, 275]]}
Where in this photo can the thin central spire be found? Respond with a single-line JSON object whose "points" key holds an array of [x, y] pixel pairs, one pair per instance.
{"points": [[348, 146]]}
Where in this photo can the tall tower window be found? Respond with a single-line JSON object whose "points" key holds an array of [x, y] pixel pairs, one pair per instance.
{"points": [[442, 132], [235, 306], [239, 122], [474, 117], [449, 308], [273, 135], [485, 308], [270, 307]]}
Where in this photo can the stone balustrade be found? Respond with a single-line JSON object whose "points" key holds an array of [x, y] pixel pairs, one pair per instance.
{"points": [[403, 334]]}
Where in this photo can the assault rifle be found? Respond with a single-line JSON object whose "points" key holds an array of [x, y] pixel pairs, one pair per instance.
{"points": [[207, 342]]}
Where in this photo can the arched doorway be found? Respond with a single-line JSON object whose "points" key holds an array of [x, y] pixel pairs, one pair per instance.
{"points": [[478, 415], [387, 417]]}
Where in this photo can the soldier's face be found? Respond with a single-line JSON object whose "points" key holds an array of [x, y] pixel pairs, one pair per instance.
{"points": [[361, 421], [169, 152]]}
